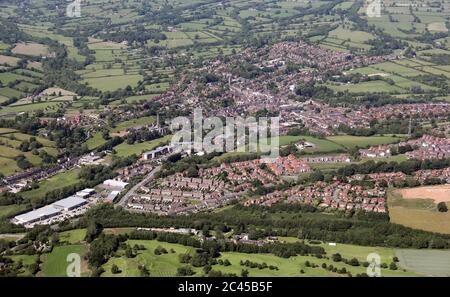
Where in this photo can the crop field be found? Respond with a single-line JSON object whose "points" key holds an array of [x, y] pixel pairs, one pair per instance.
{"points": [[30, 49], [418, 212], [427, 262]]}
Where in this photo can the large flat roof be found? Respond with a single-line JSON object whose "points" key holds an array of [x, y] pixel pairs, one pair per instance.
{"points": [[45, 211], [69, 202]]}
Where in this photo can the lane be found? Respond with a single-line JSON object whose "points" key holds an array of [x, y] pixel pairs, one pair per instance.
{"points": [[133, 190]]}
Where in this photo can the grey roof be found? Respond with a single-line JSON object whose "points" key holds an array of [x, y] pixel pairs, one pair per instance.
{"points": [[45, 211], [111, 196], [69, 202]]}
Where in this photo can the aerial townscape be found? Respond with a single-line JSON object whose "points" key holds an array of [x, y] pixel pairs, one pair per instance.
{"points": [[353, 105]]}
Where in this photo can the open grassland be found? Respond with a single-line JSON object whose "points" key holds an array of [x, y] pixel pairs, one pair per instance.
{"points": [[55, 263], [72, 236], [95, 141], [125, 149], [135, 123], [58, 181], [7, 211], [418, 213]]}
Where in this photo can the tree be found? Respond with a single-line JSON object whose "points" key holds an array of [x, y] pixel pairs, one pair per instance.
{"points": [[354, 262], [244, 273], [393, 266], [93, 231], [115, 269], [442, 207], [336, 257]]}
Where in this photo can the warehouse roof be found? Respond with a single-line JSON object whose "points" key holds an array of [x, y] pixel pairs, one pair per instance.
{"points": [[69, 202], [34, 215]]}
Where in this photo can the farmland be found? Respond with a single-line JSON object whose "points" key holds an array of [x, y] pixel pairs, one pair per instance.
{"points": [[418, 210]]}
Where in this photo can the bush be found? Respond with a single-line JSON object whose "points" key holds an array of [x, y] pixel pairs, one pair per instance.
{"points": [[442, 207]]}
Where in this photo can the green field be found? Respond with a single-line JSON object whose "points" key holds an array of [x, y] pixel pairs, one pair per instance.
{"points": [[122, 126], [72, 236], [58, 181], [55, 263], [349, 141], [166, 264], [95, 141], [125, 149]]}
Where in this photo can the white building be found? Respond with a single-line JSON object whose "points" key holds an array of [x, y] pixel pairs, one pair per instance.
{"points": [[115, 183]]}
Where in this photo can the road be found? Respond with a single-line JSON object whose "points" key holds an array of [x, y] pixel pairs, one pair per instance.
{"points": [[132, 191]]}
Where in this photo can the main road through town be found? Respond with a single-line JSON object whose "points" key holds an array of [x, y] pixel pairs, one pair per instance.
{"points": [[132, 191]]}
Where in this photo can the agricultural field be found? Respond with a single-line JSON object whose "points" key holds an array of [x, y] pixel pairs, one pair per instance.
{"points": [[427, 262], [30, 49], [416, 208], [10, 142]]}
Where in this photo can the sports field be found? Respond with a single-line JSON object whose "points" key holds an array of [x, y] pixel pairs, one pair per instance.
{"points": [[361, 141]]}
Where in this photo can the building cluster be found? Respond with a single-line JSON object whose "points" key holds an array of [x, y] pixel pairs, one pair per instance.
{"points": [[425, 147], [319, 58], [58, 211], [271, 84], [335, 195], [177, 194], [267, 171], [342, 158]]}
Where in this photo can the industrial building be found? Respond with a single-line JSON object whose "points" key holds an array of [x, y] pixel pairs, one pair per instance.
{"points": [[85, 193], [115, 183], [63, 206], [111, 196], [37, 215], [69, 203]]}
